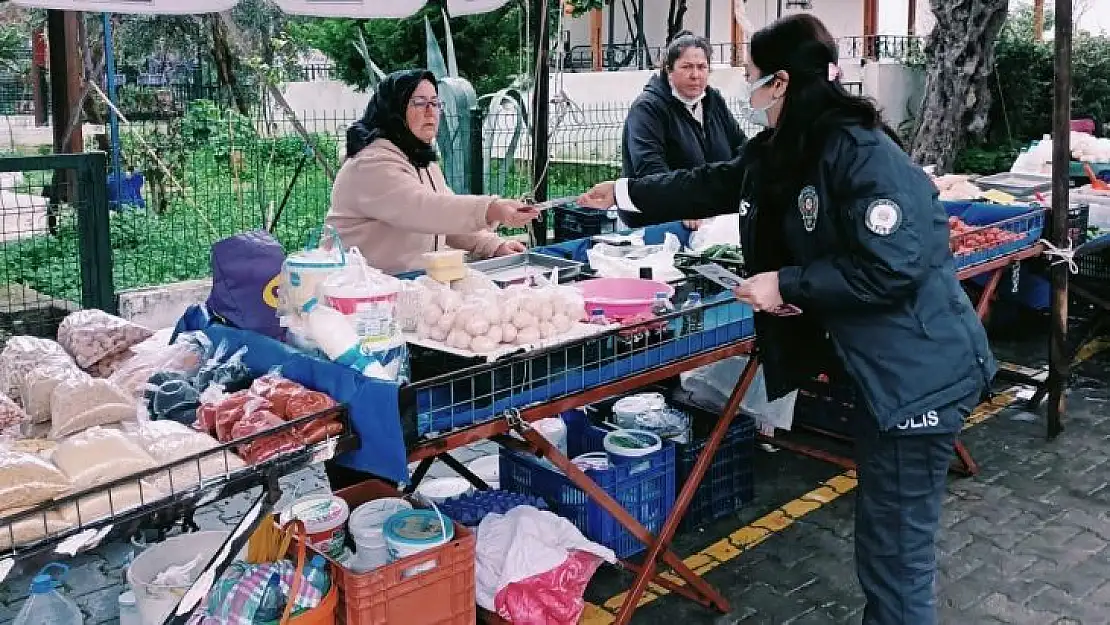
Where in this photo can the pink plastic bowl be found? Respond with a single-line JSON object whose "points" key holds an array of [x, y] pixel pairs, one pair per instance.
{"points": [[621, 298]]}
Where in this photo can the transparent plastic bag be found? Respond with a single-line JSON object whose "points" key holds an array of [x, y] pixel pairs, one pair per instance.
{"points": [[23, 354], [38, 387], [259, 417], [30, 529], [27, 479], [108, 365], [91, 335], [182, 357], [111, 502], [100, 455], [77, 405], [169, 395], [168, 442]]}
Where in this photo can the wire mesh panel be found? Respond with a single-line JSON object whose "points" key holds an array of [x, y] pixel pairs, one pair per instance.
{"points": [[54, 256]]}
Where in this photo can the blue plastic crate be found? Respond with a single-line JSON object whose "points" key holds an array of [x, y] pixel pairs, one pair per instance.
{"points": [[572, 223], [1027, 221], [729, 484], [645, 489]]}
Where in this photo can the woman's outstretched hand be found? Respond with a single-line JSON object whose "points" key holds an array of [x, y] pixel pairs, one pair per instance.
{"points": [[602, 196], [511, 213]]}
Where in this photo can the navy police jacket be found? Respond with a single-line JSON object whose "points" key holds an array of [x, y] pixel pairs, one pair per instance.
{"points": [[863, 250]]}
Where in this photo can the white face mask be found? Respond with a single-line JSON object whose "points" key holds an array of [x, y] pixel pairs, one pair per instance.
{"points": [[757, 116]]}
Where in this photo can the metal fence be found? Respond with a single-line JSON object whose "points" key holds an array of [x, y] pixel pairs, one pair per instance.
{"points": [[195, 180]]}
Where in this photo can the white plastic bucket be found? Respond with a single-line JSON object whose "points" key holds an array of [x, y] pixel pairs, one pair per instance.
{"points": [[155, 602], [366, 524], [324, 517], [441, 489], [488, 468], [410, 532]]}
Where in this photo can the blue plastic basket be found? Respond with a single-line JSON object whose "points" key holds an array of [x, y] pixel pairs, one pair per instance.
{"points": [[645, 489], [1026, 221], [573, 223], [729, 484]]}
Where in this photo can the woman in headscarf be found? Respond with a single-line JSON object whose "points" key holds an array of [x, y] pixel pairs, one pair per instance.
{"points": [[390, 198]]}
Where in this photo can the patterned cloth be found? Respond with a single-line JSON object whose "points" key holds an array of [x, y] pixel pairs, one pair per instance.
{"points": [[235, 597]]}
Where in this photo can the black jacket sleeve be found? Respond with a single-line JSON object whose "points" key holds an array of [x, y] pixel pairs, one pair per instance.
{"points": [[736, 137], [699, 193], [887, 218]]}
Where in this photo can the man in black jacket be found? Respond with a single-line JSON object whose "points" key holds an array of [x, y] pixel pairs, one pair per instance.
{"points": [[679, 121]]}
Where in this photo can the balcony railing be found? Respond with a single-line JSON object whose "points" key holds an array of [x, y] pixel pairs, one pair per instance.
{"points": [[629, 56]]}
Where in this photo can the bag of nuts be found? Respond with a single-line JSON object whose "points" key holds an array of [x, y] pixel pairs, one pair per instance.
{"points": [[92, 335]]}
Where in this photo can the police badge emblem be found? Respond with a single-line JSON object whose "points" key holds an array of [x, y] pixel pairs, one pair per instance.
{"points": [[807, 206], [883, 217]]}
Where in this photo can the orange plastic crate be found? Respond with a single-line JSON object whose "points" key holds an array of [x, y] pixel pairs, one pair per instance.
{"points": [[443, 595]]}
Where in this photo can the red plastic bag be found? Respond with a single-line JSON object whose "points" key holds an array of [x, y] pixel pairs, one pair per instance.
{"points": [[550, 598], [277, 390], [259, 417], [230, 411]]}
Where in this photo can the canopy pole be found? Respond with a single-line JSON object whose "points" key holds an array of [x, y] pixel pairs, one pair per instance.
{"points": [[113, 119], [1058, 363], [541, 100]]}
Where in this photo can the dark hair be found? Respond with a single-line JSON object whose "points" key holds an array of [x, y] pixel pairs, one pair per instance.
{"points": [[385, 117], [813, 105], [682, 42]]}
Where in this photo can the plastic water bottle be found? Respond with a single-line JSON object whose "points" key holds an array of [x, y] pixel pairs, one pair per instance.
{"points": [[316, 574], [333, 332], [693, 319], [660, 307], [45, 605], [272, 606]]}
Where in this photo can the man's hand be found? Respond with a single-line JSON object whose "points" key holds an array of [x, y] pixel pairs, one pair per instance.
{"points": [[761, 291], [509, 248], [511, 213], [692, 224], [602, 196]]}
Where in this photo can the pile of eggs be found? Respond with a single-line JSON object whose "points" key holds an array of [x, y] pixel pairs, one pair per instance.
{"points": [[482, 318]]}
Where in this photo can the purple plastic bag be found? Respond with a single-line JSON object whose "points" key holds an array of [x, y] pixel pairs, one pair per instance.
{"points": [[245, 272]]}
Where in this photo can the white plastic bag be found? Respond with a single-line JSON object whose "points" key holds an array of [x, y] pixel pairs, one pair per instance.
{"points": [[712, 385], [621, 261], [24, 353], [722, 230], [79, 404], [27, 479], [92, 335], [99, 455]]}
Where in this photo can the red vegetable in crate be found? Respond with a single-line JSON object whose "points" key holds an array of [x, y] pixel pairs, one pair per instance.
{"points": [[259, 418], [967, 239]]}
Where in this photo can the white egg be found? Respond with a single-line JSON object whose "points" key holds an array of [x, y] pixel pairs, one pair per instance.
{"points": [[431, 314], [482, 344], [495, 334], [508, 332], [545, 311], [524, 320], [449, 300], [509, 307], [562, 323], [446, 321], [458, 339], [493, 312], [546, 330], [437, 333], [423, 330], [529, 305], [526, 335], [477, 325]]}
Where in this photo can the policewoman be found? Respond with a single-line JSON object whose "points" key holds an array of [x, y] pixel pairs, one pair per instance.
{"points": [[837, 221]]}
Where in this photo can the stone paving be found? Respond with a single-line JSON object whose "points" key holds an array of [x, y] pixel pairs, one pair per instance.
{"points": [[1025, 542]]}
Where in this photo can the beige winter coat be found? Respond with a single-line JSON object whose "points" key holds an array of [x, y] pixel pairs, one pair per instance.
{"points": [[393, 213]]}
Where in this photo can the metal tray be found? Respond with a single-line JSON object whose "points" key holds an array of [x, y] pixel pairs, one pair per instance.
{"points": [[1016, 184], [519, 268]]}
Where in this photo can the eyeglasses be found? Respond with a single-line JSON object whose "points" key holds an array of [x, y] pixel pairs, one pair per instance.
{"points": [[425, 103]]}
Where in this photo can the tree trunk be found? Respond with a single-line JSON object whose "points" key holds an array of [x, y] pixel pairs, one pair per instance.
{"points": [[676, 18], [960, 53], [225, 68]]}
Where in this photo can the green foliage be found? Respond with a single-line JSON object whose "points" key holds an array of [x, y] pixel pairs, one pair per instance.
{"points": [[224, 131], [578, 8], [1021, 107], [489, 46]]}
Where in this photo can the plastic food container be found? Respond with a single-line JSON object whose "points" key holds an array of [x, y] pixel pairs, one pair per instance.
{"points": [[441, 489], [592, 461], [622, 298], [410, 532], [325, 521], [488, 468], [365, 526], [626, 447]]}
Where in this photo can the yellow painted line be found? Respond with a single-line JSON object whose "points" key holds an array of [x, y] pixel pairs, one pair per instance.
{"points": [[758, 531]]}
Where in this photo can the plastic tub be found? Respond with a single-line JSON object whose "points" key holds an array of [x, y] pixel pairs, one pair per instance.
{"points": [[488, 468], [410, 532], [365, 526], [628, 447], [156, 601], [441, 489], [621, 298], [325, 520]]}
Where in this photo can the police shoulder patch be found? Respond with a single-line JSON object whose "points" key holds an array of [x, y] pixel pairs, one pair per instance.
{"points": [[883, 217], [808, 205]]}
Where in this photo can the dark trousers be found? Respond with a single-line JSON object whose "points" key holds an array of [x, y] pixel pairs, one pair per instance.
{"points": [[902, 475]]}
